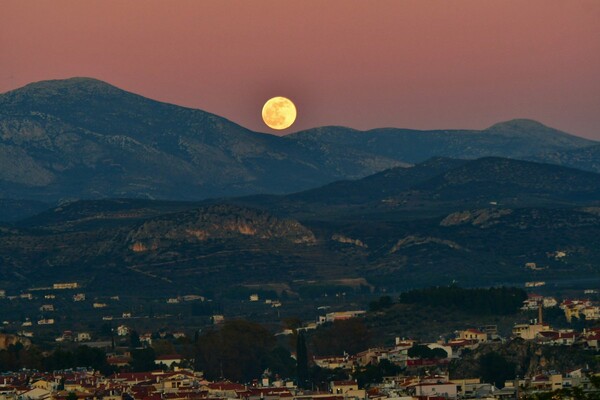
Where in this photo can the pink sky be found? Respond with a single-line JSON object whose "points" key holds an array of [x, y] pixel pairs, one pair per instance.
{"points": [[364, 64]]}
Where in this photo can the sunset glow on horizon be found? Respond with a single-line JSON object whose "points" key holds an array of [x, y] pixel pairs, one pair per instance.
{"points": [[412, 64]]}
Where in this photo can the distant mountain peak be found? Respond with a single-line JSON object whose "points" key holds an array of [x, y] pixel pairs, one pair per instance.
{"points": [[518, 124], [64, 97], [85, 138], [73, 81], [71, 86]]}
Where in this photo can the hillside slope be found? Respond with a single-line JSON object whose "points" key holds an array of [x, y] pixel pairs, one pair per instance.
{"points": [[441, 185], [519, 138], [81, 138]]}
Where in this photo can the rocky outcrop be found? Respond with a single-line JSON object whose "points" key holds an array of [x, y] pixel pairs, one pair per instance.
{"points": [[7, 340], [411, 240], [346, 240], [217, 222], [482, 218], [530, 358], [139, 247]]}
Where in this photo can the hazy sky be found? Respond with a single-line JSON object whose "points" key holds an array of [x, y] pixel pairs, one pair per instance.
{"points": [[365, 64]]}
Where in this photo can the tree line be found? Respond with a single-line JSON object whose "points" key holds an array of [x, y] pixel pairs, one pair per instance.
{"points": [[17, 357], [491, 301]]}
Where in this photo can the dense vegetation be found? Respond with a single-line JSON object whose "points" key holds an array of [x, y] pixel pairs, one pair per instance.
{"points": [[497, 301], [241, 351], [497, 362], [17, 356], [345, 336], [422, 351], [496, 369]]}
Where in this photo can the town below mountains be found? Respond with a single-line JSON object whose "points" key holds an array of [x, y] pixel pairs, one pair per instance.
{"points": [[145, 230], [338, 356]]}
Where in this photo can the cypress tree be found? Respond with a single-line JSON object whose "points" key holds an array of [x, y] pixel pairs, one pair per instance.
{"points": [[301, 360]]}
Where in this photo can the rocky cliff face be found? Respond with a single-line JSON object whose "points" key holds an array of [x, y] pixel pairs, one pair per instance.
{"points": [[7, 340], [412, 240], [217, 222], [530, 358], [347, 240], [483, 218]]}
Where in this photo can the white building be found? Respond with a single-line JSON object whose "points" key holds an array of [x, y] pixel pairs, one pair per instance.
{"points": [[340, 315], [65, 285]]}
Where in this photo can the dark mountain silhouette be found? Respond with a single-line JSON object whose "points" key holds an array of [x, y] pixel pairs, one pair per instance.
{"points": [[586, 158], [81, 138], [14, 210], [441, 185], [519, 138], [505, 179]]}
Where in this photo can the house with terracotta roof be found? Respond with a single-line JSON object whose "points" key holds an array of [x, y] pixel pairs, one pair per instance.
{"points": [[44, 384], [458, 345], [223, 389], [169, 359], [591, 313], [372, 356], [473, 334], [347, 388], [175, 382], [591, 338], [332, 362], [118, 361], [443, 389]]}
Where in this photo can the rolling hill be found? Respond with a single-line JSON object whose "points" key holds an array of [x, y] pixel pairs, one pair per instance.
{"points": [[433, 223], [519, 138], [586, 158], [438, 186]]}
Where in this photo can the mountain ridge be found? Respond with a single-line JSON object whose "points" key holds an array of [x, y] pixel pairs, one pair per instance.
{"points": [[441, 185], [476, 221], [82, 138]]}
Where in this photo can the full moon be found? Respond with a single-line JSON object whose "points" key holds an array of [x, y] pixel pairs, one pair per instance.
{"points": [[279, 113]]}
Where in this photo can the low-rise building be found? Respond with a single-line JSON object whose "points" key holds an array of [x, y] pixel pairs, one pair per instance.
{"points": [[169, 359], [473, 334], [448, 390], [340, 315], [591, 313], [529, 331], [65, 285]]}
